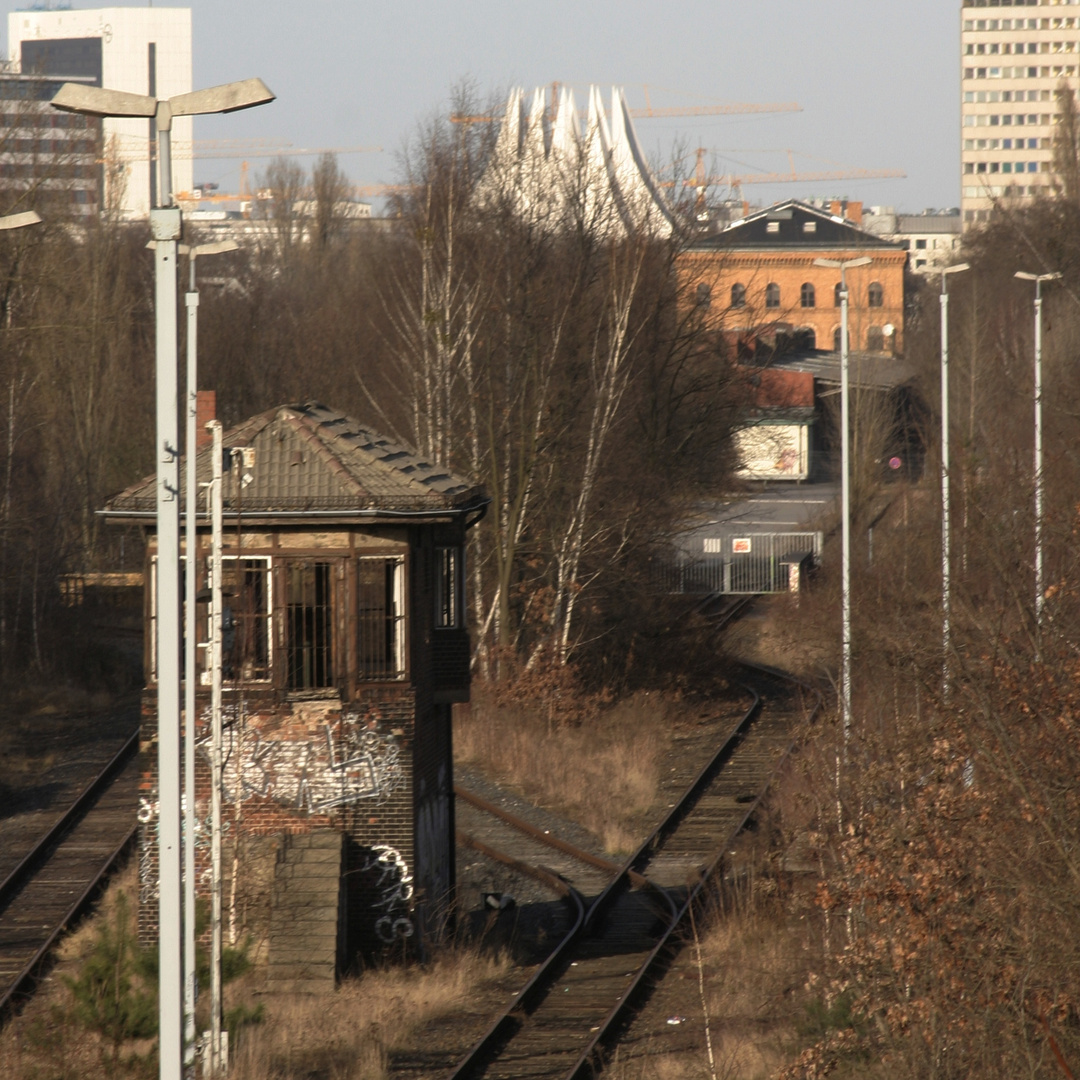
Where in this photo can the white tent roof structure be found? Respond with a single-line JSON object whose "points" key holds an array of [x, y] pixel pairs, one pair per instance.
{"points": [[556, 174]]}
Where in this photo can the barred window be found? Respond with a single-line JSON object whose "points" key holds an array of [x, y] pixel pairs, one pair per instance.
{"points": [[245, 621], [381, 617], [309, 614], [449, 613]]}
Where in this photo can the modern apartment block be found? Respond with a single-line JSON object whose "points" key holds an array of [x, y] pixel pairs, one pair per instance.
{"points": [[141, 50], [1015, 55]]}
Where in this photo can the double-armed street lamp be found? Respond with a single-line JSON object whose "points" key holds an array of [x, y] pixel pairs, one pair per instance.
{"points": [[1038, 279], [165, 227], [845, 485], [945, 523]]}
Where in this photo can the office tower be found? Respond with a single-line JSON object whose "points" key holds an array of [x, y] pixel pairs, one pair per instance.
{"points": [[1016, 55], [140, 50]]}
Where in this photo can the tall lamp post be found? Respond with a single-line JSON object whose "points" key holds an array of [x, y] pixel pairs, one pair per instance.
{"points": [[165, 225], [845, 485], [1038, 279], [191, 497], [946, 599]]}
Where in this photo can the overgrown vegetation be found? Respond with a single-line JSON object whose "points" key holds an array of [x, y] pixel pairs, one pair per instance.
{"points": [[597, 763], [97, 1019]]}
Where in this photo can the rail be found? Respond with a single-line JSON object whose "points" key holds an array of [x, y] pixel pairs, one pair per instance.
{"points": [[44, 849], [697, 804]]}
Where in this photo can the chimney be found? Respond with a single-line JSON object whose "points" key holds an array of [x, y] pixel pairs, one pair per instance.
{"points": [[854, 212], [205, 410], [836, 209]]}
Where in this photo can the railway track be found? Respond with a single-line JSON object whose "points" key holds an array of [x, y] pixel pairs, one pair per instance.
{"points": [[578, 1001], [53, 881]]}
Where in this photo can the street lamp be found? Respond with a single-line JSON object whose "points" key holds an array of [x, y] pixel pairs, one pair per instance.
{"points": [[959, 268], [1038, 279], [18, 221], [165, 225], [845, 485], [191, 495]]}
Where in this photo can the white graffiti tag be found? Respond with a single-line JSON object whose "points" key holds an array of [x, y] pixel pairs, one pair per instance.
{"points": [[395, 891], [344, 767]]}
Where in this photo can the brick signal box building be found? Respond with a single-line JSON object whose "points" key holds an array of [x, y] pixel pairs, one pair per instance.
{"points": [[344, 648]]}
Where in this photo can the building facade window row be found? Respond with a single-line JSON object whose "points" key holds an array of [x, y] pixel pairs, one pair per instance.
{"points": [[875, 295], [1005, 167], [1007, 120], [1008, 144], [982, 25], [1018, 48], [994, 97], [1008, 191], [1046, 72]]}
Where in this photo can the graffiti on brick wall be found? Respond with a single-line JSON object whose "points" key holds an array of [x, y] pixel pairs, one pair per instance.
{"points": [[346, 765], [394, 888], [147, 816]]}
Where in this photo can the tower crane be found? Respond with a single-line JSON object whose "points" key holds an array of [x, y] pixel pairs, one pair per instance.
{"points": [[133, 148], [701, 181], [653, 113]]}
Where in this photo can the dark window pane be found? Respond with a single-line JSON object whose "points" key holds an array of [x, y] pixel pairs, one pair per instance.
{"points": [[310, 626]]}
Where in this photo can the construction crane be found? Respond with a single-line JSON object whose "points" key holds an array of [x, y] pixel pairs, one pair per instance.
{"points": [[133, 148], [652, 113], [701, 181]]}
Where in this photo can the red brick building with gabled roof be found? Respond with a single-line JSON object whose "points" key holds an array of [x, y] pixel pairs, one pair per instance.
{"points": [[756, 280]]}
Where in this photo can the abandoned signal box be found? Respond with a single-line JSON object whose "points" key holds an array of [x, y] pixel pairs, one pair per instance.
{"points": [[344, 648]]}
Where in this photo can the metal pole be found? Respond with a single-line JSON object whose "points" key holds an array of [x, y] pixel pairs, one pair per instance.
{"points": [[216, 613], [1038, 458], [191, 299], [845, 510], [165, 226], [945, 523]]}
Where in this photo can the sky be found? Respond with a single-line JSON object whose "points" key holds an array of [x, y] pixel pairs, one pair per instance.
{"points": [[877, 80]]}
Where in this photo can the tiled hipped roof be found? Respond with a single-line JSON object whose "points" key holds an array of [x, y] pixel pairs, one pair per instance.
{"points": [[309, 457]]}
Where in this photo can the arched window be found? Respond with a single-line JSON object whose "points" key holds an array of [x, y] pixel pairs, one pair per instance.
{"points": [[704, 294], [772, 295], [738, 295], [876, 294], [875, 339], [836, 295], [805, 338], [807, 296]]}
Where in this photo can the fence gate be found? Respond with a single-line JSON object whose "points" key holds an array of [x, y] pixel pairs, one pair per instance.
{"points": [[746, 563]]}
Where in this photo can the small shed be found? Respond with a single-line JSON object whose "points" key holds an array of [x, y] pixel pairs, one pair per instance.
{"points": [[345, 647], [773, 442]]}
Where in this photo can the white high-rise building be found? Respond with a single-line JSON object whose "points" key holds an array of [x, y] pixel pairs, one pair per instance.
{"points": [[1015, 55], [141, 50]]}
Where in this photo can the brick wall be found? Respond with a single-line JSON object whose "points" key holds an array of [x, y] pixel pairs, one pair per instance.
{"points": [[755, 270]]}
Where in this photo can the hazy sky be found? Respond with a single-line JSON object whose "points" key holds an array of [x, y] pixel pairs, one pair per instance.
{"points": [[878, 80]]}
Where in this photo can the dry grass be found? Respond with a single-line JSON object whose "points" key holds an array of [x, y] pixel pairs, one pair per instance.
{"points": [[349, 1035], [604, 773], [353, 1034]]}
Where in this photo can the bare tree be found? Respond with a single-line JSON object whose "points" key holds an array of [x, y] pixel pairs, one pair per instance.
{"points": [[329, 192]]}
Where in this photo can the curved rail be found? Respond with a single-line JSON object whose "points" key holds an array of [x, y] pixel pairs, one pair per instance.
{"points": [[590, 1059], [484, 1052], [46, 848]]}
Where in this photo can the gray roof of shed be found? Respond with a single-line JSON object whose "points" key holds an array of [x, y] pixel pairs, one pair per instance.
{"points": [[313, 458]]}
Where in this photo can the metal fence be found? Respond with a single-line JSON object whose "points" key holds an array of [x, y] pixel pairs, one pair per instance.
{"points": [[736, 564]]}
